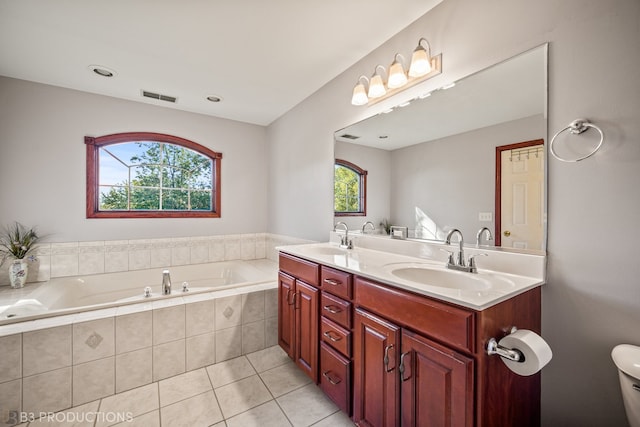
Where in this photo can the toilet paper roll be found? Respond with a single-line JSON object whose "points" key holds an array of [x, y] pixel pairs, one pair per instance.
{"points": [[536, 351]]}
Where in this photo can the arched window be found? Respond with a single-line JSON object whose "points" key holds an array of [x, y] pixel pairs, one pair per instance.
{"points": [[350, 189], [151, 175]]}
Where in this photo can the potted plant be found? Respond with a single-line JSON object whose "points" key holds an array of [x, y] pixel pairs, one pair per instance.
{"points": [[16, 243]]}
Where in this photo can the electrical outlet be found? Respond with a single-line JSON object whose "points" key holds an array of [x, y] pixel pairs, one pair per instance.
{"points": [[485, 216]]}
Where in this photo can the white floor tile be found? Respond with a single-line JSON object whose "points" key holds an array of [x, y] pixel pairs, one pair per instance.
{"points": [[242, 395], [183, 386], [306, 406], [284, 379], [266, 415], [229, 371], [200, 410]]}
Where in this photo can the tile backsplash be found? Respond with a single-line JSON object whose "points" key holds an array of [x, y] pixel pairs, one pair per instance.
{"points": [[60, 259]]}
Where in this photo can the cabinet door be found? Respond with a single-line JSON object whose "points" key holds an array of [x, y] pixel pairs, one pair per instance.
{"points": [[437, 384], [307, 318], [286, 317], [376, 381]]}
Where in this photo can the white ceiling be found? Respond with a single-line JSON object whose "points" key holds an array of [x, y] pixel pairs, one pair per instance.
{"points": [[262, 57]]}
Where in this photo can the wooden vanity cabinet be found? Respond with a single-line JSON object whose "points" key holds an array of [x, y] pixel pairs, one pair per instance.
{"points": [[390, 357], [298, 303]]}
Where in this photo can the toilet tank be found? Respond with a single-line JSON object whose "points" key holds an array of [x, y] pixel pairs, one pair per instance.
{"points": [[627, 359]]}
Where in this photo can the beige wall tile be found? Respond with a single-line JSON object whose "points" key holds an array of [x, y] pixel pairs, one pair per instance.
{"points": [[271, 331], [200, 351], [228, 312], [47, 392], [11, 358], [271, 303], [200, 317], [168, 324], [228, 343], [93, 380], [10, 402], [46, 350], [93, 340], [134, 331], [168, 359], [134, 369], [252, 307], [253, 337]]}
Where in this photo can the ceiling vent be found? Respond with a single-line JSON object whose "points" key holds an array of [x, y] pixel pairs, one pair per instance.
{"points": [[159, 96], [349, 136]]}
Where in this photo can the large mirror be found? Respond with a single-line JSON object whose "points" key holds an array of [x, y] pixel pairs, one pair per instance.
{"points": [[466, 156]]}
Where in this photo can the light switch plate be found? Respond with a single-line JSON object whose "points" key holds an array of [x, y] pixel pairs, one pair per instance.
{"points": [[485, 216]]}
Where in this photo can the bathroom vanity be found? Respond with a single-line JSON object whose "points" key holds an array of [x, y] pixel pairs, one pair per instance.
{"points": [[390, 349]]}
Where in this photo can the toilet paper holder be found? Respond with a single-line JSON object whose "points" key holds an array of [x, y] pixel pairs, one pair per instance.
{"points": [[511, 354]]}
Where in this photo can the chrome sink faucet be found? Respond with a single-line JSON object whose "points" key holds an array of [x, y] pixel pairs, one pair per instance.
{"points": [[345, 243], [460, 259], [166, 282], [364, 226], [459, 263], [483, 230]]}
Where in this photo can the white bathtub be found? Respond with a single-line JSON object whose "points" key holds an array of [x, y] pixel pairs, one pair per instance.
{"points": [[84, 293]]}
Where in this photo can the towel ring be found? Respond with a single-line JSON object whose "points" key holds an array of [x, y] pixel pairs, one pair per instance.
{"points": [[576, 127]]}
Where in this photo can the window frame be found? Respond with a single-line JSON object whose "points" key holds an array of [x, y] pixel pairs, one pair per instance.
{"points": [[363, 188], [93, 145]]}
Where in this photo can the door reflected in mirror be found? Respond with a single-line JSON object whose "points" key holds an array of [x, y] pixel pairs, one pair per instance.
{"points": [[432, 165]]}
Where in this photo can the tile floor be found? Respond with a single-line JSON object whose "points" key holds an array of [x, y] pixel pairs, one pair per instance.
{"points": [[263, 389]]}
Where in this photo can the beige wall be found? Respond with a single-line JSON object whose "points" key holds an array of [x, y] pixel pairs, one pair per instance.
{"points": [[592, 299], [42, 163]]}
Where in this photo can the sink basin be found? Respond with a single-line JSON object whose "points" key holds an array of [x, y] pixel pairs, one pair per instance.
{"points": [[444, 278]]}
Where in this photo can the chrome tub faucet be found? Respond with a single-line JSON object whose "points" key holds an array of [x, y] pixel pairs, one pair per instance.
{"points": [[166, 283]]}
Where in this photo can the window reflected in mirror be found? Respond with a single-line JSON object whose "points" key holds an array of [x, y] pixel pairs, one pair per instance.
{"points": [[350, 189]]}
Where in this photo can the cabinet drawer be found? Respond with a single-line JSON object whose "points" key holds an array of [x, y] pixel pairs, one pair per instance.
{"points": [[336, 336], [304, 270], [335, 377], [446, 323], [336, 282], [336, 309]]}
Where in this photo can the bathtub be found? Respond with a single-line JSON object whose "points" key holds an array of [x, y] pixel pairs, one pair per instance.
{"points": [[88, 337], [75, 294]]}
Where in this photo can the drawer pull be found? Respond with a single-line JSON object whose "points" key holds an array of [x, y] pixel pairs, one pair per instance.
{"points": [[331, 337], [401, 368], [331, 380], [332, 309], [333, 282], [636, 387], [386, 358]]}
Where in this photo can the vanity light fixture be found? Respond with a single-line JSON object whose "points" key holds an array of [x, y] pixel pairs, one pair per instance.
{"points": [[420, 60], [397, 75], [422, 67], [360, 92], [376, 85]]}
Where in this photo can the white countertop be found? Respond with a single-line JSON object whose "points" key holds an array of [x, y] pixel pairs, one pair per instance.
{"points": [[493, 286]]}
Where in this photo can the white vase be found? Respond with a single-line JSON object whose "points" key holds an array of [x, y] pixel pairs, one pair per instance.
{"points": [[18, 273]]}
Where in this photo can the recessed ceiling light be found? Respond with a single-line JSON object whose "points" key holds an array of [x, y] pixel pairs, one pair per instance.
{"points": [[214, 98], [102, 71]]}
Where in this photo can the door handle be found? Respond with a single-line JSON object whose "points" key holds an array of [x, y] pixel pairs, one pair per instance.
{"points": [[402, 368], [507, 233], [386, 358]]}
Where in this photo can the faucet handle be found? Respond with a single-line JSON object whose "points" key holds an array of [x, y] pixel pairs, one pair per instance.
{"points": [[450, 261], [472, 261]]}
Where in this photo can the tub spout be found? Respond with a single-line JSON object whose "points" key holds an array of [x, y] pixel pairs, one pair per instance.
{"points": [[166, 283]]}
